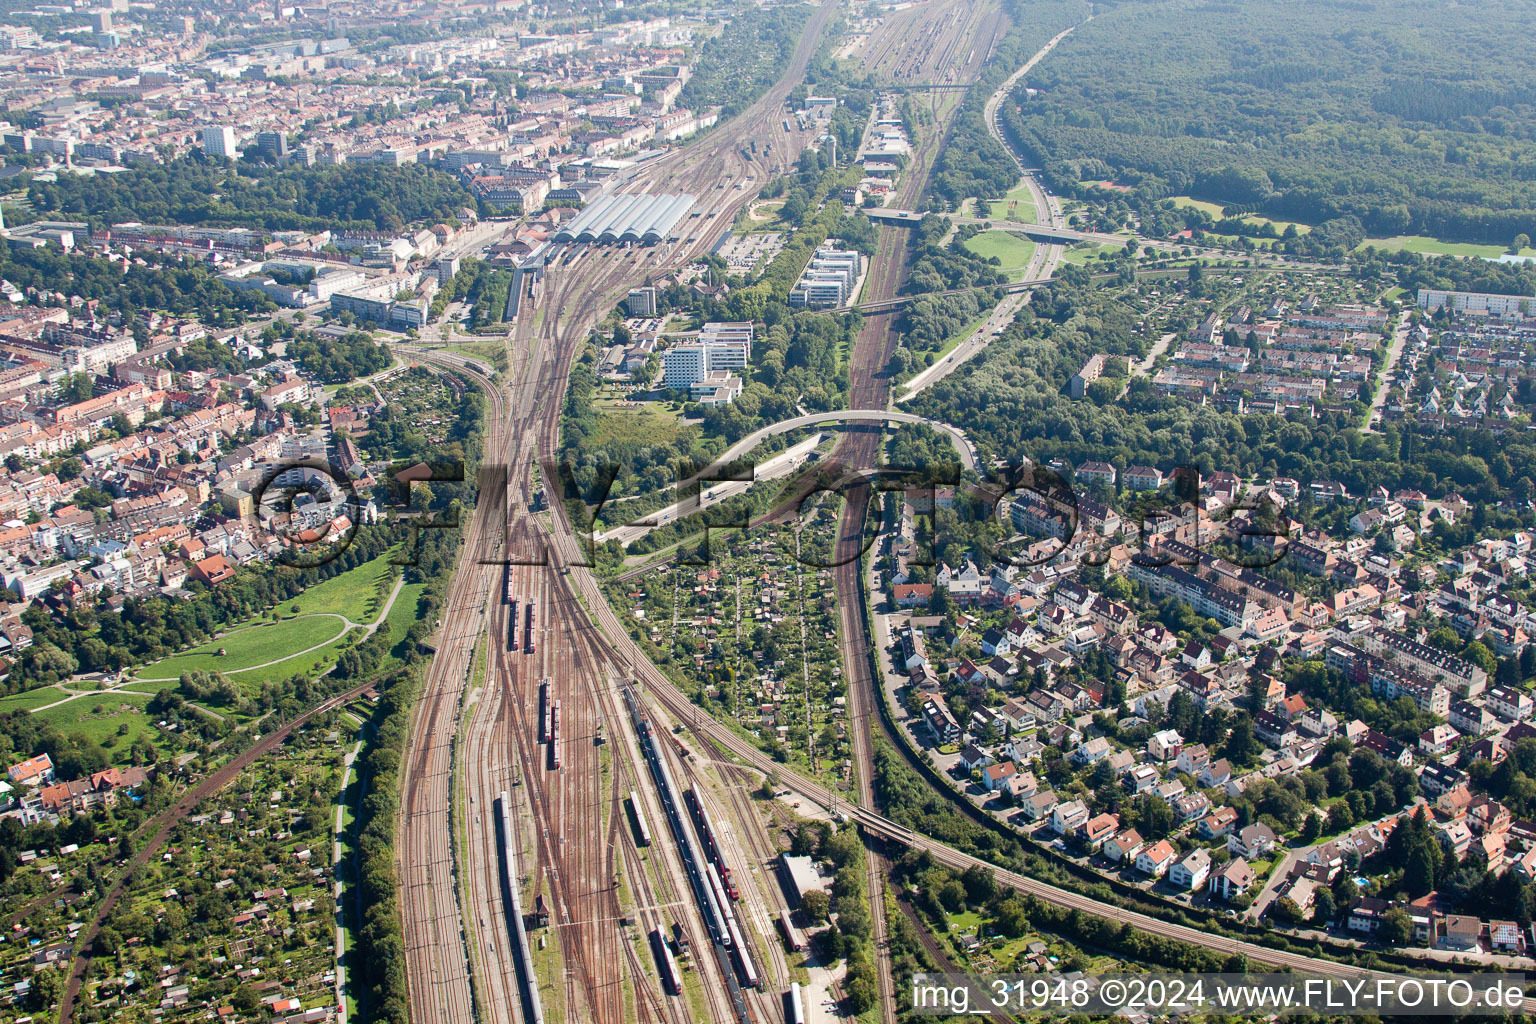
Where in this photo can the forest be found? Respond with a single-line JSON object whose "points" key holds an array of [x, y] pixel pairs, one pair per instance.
{"points": [[340, 360], [194, 189], [1383, 111]]}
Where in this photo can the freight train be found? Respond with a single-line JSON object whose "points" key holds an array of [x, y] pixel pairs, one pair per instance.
{"points": [[514, 911]]}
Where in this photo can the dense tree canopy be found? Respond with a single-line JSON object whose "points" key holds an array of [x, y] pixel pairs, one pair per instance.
{"points": [[1383, 112], [197, 190]]}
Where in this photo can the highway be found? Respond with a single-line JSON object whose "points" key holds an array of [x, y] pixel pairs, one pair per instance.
{"points": [[1042, 265]]}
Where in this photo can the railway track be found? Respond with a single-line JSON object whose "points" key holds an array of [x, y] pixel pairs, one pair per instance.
{"points": [[581, 802], [442, 987], [870, 389]]}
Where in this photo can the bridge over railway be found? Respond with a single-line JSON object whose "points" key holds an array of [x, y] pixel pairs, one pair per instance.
{"points": [[1048, 233], [697, 497]]}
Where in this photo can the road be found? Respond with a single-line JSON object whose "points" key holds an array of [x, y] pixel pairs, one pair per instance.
{"points": [[773, 468], [337, 893], [1144, 367], [780, 465], [1379, 400]]}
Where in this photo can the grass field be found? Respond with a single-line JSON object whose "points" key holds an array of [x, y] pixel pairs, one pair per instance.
{"points": [[102, 717], [31, 699], [251, 646], [1188, 202], [1014, 251], [1435, 247], [1088, 252], [492, 351], [353, 593], [648, 422], [1018, 205], [403, 614]]}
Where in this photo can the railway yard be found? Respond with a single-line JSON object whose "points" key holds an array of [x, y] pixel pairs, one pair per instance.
{"points": [[620, 829], [477, 738]]}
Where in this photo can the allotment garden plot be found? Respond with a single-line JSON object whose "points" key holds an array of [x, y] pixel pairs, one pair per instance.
{"points": [[752, 637]]}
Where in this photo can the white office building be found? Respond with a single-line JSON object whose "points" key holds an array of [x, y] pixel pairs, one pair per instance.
{"points": [[683, 366], [719, 387], [828, 280], [720, 346], [219, 140]]}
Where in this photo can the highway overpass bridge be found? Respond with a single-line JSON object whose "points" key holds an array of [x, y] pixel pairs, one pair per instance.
{"points": [[1039, 232]]}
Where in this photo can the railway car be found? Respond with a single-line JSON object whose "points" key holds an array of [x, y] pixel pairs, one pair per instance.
{"points": [[544, 711], [512, 627], [554, 737], [794, 938], [671, 981], [528, 630], [724, 914], [796, 1013], [701, 820], [745, 968], [726, 883], [642, 834]]}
